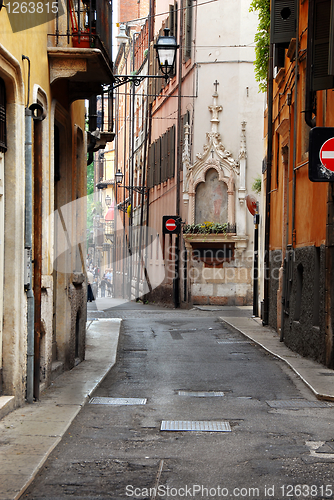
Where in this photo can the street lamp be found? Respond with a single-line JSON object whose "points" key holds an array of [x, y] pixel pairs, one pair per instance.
{"points": [[107, 200], [166, 48], [119, 177]]}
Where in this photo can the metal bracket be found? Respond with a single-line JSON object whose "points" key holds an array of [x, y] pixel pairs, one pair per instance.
{"points": [[134, 79]]}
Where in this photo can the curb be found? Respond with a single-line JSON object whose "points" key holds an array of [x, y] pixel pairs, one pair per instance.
{"points": [[318, 395]]}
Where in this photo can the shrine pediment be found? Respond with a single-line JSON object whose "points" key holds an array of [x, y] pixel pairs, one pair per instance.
{"points": [[214, 184]]}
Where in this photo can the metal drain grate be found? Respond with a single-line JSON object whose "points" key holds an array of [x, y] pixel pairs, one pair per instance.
{"points": [[298, 403], [176, 336], [200, 394], [233, 342], [200, 425], [117, 401]]}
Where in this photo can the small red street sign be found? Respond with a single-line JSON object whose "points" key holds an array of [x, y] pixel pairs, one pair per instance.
{"points": [[171, 224], [321, 154], [327, 154]]}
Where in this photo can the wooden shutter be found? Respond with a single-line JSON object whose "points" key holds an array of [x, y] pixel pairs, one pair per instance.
{"points": [[157, 162], [151, 72], [3, 133], [321, 33], [331, 43], [171, 151], [283, 21], [164, 158], [175, 20], [150, 166], [187, 27]]}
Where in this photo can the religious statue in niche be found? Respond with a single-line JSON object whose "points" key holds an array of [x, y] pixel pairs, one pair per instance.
{"points": [[211, 199]]}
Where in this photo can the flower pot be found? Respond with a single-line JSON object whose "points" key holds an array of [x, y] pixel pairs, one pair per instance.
{"points": [[84, 42]]}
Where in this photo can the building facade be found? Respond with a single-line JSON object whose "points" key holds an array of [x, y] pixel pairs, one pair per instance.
{"points": [[298, 299], [197, 150], [48, 65]]}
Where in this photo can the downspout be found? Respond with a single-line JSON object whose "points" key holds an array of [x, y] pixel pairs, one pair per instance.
{"points": [[309, 93], [28, 246], [294, 160], [132, 121], [178, 162], [149, 119], [124, 256], [265, 319]]}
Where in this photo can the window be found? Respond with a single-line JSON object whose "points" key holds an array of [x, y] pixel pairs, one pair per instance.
{"points": [[283, 21], [320, 63], [188, 15], [161, 156]]}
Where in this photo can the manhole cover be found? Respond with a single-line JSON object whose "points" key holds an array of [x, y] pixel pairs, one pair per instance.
{"points": [[298, 403], [201, 394], [200, 425], [118, 401]]}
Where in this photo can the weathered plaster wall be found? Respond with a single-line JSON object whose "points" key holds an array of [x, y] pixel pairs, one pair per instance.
{"points": [[306, 335]]}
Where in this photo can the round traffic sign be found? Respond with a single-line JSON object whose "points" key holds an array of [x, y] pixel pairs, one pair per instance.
{"points": [[170, 224], [327, 154]]}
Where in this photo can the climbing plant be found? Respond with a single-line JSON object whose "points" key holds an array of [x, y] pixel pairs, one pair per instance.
{"points": [[262, 41]]}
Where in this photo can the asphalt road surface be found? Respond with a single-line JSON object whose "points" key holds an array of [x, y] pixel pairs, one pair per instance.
{"points": [[274, 443]]}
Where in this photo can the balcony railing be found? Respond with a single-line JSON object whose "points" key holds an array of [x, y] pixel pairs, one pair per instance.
{"points": [[89, 25], [80, 54]]}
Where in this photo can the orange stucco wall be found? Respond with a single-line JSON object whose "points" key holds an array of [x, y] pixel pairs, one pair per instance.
{"points": [[309, 205]]}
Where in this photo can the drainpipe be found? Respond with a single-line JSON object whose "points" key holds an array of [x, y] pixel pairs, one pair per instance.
{"points": [[309, 93], [28, 248], [265, 319], [178, 163], [294, 161]]}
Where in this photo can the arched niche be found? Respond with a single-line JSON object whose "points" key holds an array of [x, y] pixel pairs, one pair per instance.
{"points": [[211, 199]]}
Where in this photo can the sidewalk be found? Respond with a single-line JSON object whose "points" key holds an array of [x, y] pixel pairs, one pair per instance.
{"points": [[316, 376], [30, 433]]}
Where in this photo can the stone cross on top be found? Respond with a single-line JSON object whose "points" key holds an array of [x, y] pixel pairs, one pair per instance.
{"points": [[215, 109]]}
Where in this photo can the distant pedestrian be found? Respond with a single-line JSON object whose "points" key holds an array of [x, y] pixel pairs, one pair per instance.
{"points": [[90, 279], [103, 285]]}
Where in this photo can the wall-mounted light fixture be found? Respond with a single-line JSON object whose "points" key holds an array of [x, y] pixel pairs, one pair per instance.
{"points": [[166, 48]]}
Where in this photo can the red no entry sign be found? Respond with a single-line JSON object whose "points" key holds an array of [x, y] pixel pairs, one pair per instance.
{"points": [[321, 154], [327, 154], [171, 224]]}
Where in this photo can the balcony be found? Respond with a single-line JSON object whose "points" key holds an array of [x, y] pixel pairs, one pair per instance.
{"points": [[80, 49]]}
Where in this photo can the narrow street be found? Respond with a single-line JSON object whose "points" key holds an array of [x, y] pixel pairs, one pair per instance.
{"points": [[190, 368]]}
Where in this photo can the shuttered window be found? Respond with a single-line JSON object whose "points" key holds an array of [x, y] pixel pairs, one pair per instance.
{"points": [[157, 162], [164, 158], [319, 63], [187, 29], [3, 132], [171, 152], [161, 159]]}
